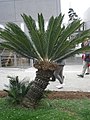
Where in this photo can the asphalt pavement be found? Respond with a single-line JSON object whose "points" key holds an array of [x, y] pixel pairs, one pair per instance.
{"points": [[71, 82]]}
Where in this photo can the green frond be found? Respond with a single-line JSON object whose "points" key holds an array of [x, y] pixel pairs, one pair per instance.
{"points": [[17, 38], [73, 52], [54, 30], [41, 23], [17, 50], [34, 34], [62, 40]]}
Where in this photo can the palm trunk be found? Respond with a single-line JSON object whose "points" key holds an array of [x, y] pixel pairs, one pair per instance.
{"points": [[37, 88]]}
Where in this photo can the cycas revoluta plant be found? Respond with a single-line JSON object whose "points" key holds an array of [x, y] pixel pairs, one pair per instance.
{"points": [[17, 89], [46, 46]]}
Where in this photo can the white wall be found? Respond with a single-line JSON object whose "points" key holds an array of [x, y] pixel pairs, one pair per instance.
{"points": [[87, 18], [10, 10]]}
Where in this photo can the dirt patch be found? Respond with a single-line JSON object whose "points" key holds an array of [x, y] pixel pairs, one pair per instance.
{"points": [[68, 95], [3, 94], [60, 94]]}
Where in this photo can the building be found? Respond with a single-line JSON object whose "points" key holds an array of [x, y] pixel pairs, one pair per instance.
{"points": [[87, 18]]}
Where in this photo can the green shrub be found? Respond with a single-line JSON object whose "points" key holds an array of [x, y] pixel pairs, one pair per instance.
{"points": [[17, 89]]}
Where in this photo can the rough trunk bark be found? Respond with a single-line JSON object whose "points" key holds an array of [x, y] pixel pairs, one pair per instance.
{"points": [[37, 88]]}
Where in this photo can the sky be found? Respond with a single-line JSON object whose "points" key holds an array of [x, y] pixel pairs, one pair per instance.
{"points": [[79, 6]]}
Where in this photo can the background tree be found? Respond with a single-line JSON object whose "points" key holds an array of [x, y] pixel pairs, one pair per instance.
{"points": [[72, 15], [46, 46]]}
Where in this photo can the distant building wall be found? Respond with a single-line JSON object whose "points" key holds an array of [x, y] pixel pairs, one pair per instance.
{"points": [[87, 18], [10, 10]]}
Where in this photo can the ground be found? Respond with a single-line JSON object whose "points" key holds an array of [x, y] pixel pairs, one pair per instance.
{"points": [[3, 94], [68, 95], [60, 94]]}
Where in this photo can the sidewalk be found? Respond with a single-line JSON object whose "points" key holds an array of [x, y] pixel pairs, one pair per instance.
{"points": [[72, 81]]}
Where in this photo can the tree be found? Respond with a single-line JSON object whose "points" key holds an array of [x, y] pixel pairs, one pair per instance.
{"points": [[46, 46], [72, 15]]}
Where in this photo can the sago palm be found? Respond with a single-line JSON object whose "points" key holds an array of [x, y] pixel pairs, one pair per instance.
{"points": [[46, 46]]}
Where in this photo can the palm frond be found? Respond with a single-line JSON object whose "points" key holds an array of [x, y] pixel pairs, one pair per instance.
{"points": [[62, 40], [34, 34], [18, 39], [69, 45], [73, 52], [17, 50], [41, 23], [54, 30]]}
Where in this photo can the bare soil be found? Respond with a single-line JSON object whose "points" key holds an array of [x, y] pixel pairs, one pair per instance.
{"points": [[3, 94], [68, 95], [60, 94]]}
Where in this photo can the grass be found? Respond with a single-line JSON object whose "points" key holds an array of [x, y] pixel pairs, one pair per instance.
{"points": [[47, 110]]}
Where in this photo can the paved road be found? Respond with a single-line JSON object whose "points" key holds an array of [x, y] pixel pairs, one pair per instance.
{"points": [[72, 81]]}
